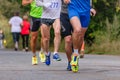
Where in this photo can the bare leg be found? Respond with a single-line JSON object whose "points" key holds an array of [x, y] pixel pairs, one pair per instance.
{"points": [[57, 38], [68, 47], [33, 42], [45, 31], [76, 33]]}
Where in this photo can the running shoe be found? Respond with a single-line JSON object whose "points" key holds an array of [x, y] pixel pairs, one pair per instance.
{"points": [[75, 68], [56, 57], [16, 49], [26, 49], [47, 61], [42, 56], [81, 56], [34, 60], [69, 67], [74, 63]]}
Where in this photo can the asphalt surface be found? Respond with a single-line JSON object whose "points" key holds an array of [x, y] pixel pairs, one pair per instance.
{"points": [[16, 65]]}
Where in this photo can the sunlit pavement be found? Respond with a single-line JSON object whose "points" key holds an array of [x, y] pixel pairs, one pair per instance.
{"points": [[16, 65]]}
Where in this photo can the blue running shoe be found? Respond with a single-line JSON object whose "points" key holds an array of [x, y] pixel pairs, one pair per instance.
{"points": [[69, 67], [47, 61], [56, 57]]}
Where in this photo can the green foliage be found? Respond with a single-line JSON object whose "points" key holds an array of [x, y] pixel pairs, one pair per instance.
{"points": [[8, 7], [107, 41], [106, 9]]}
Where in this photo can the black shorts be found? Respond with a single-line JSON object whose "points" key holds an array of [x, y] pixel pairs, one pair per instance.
{"points": [[35, 24], [66, 27], [48, 22]]}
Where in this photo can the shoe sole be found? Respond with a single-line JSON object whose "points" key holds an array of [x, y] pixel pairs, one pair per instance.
{"points": [[34, 64], [75, 69], [57, 60]]}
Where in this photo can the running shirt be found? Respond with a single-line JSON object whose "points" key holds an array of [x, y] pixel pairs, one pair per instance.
{"points": [[15, 23], [25, 28], [35, 11], [80, 5], [51, 8], [64, 8]]}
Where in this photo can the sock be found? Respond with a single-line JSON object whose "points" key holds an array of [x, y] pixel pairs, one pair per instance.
{"points": [[34, 54], [16, 45], [41, 49], [55, 52], [47, 53], [76, 51]]}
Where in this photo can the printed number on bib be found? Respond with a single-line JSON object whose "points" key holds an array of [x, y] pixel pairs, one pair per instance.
{"points": [[54, 5]]}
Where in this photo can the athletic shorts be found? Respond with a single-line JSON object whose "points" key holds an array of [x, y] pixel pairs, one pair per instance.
{"points": [[84, 17], [66, 27], [47, 22], [35, 24]]}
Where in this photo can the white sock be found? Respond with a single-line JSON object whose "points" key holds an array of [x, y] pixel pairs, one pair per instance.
{"points": [[76, 51], [16, 45], [41, 49], [47, 53], [55, 52]]}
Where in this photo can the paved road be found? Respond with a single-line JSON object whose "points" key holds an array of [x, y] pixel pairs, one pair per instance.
{"points": [[17, 66]]}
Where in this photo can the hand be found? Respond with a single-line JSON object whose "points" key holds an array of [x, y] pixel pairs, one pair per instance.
{"points": [[67, 1], [26, 2], [92, 12]]}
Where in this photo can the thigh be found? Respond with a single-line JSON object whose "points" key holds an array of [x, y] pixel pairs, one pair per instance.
{"points": [[56, 26], [76, 24], [45, 30]]}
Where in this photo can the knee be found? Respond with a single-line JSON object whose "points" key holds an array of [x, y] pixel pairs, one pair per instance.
{"points": [[68, 40], [82, 35], [46, 39], [77, 31], [57, 33], [33, 38]]}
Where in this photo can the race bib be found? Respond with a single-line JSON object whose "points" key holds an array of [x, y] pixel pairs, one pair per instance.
{"points": [[54, 5]]}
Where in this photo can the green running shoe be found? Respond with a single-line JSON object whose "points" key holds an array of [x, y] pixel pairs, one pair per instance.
{"points": [[42, 56], [74, 62], [75, 68]]}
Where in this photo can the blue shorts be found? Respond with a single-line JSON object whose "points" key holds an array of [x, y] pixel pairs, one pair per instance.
{"points": [[84, 17]]}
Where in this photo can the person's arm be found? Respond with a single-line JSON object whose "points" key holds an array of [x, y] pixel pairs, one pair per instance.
{"points": [[67, 1], [92, 10], [21, 24], [41, 3], [26, 2]]}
